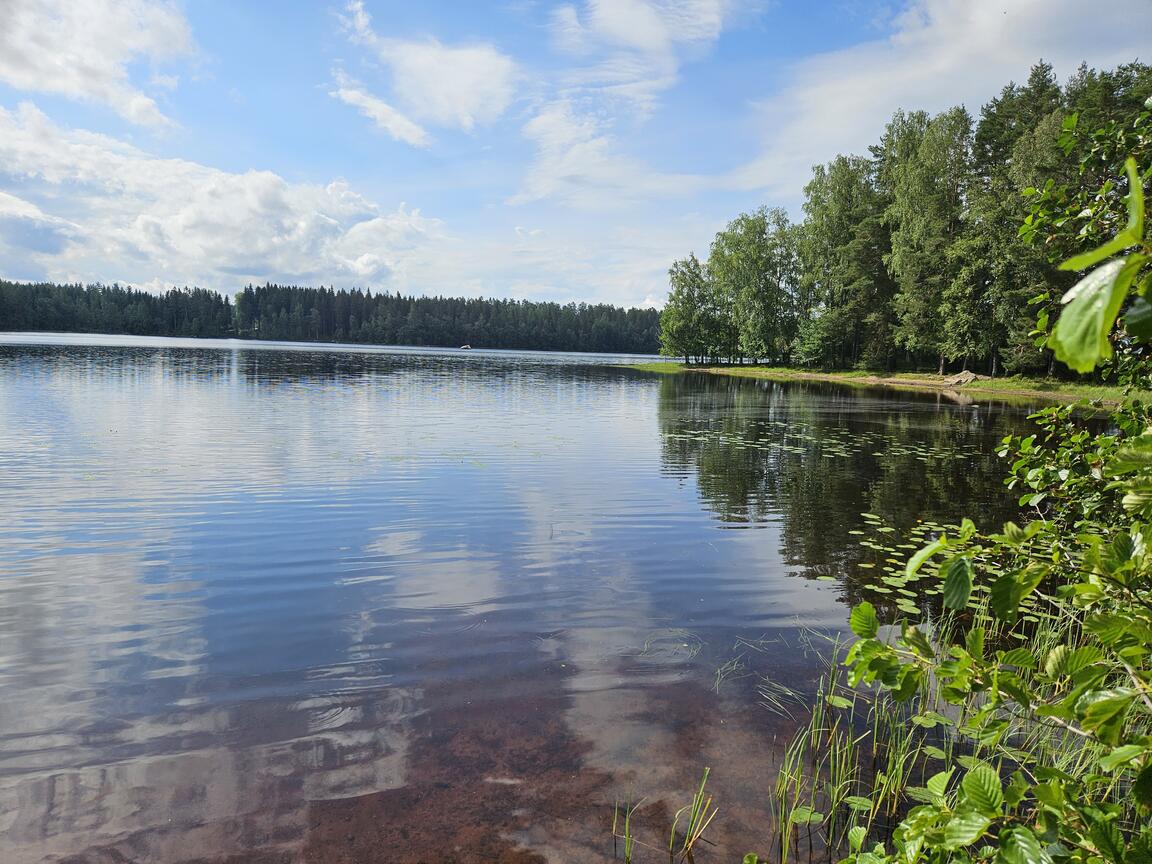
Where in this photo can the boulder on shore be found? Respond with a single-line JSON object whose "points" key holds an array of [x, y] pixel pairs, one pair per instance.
{"points": [[962, 379]]}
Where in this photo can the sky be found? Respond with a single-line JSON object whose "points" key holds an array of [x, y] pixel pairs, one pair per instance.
{"points": [[562, 151]]}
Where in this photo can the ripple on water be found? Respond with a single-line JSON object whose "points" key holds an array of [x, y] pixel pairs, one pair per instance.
{"points": [[268, 603]]}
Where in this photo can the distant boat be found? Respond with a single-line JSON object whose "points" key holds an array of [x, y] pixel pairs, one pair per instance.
{"points": [[465, 347]]}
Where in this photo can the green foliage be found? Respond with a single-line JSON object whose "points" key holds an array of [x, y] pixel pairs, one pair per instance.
{"points": [[754, 269], [846, 290], [1047, 671], [688, 318], [294, 313], [996, 702], [930, 185], [113, 309], [957, 582], [1082, 336], [863, 621], [911, 257]]}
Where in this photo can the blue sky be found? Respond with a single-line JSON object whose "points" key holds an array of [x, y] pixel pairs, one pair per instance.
{"points": [[564, 151]]}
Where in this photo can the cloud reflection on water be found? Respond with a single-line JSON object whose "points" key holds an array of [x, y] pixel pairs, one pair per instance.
{"points": [[239, 586]]}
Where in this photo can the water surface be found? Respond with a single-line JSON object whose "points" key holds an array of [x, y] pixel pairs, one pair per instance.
{"points": [[267, 603]]}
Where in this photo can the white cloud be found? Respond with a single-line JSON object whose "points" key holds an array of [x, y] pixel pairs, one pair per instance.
{"points": [[460, 86], [578, 163], [940, 53], [24, 227], [83, 49], [568, 33], [12, 207], [634, 48], [561, 259], [81, 206], [454, 86], [386, 117], [627, 53], [138, 218], [652, 26]]}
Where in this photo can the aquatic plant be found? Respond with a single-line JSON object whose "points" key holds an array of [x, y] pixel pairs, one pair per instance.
{"points": [[700, 812], [624, 824]]}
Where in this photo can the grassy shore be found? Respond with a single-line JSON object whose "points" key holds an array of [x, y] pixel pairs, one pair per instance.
{"points": [[1015, 385]]}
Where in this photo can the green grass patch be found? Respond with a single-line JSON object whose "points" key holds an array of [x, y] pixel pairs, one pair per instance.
{"points": [[668, 368], [1005, 387]]}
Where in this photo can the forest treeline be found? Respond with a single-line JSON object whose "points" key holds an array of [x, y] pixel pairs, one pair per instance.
{"points": [[284, 312], [912, 256]]}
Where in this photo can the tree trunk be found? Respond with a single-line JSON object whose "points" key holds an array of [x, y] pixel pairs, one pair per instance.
{"points": [[995, 362], [941, 372]]}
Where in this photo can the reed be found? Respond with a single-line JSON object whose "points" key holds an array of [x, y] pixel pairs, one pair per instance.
{"points": [[622, 819], [700, 812]]}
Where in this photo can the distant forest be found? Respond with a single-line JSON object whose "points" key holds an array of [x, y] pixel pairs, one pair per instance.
{"points": [[924, 252], [284, 312]]}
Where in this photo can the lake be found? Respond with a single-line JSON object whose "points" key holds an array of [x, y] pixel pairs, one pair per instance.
{"points": [[266, 603]]}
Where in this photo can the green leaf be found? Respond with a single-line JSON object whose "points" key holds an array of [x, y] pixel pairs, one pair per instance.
{"points": [[1020, 657], [929, 720], [1063, 660], [805, 815], [838, 702], [909, 681], [919, 793], [858, 802], [1138, 497], [938, 783], [1054, 662], [1142, 788], [1103, 712], [1011, 686], [974, 642], [1135, 200], [917, 560], [1140, 851], [1014, 534], [1138, 320], [983, 790], [1018, 788], [964, 828], [751, 858], [957, 582], [1080, 338], [1020, 846], [1135, 456], [863, 620], [915, 639], [1132, 234], [1109, 627], [856, 837], [1108, 839], [1050, 794], [1121, 756], [1116, 245], [1011, 589], [1117, 555]]}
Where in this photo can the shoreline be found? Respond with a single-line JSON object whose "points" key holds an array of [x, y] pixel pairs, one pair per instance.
{"points": [[73, 337], [1008, 386]]}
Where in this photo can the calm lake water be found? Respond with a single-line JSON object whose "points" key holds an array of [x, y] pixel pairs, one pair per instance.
{"points": [[262, 604]]}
